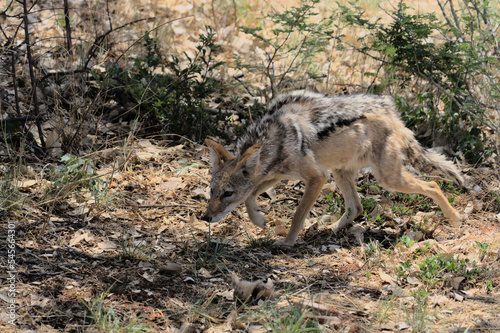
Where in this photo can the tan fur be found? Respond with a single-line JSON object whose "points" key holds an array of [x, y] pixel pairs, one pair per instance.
{"points": [[304, 136]]}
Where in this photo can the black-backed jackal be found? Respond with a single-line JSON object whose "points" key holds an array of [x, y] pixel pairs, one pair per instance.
{"points": [[305, 134]]}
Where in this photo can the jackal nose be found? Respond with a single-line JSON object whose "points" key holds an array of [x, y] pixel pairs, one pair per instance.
{"points": [[207, 218]]}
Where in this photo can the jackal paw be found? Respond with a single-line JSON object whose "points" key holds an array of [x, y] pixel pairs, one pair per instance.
{"points": [[283, 242], [259, 220], [456, 222], [337, 226]]}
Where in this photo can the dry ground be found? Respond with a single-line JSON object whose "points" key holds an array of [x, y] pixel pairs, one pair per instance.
{"points": [[149, 257], [136, 257]]}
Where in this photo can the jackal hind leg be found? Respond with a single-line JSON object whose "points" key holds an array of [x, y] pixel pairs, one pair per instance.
{"points": [[345, 180], [253, 208], [394, 177]]}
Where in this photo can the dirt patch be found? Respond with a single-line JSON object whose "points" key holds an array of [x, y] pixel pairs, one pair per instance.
{"points": [[146, 258]]}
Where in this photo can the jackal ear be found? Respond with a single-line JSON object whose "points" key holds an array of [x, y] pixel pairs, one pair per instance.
{"points": [[250, 158], [218, 154]]}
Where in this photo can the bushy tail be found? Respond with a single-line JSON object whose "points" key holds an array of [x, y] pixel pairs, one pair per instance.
{"points": [[429, 161]]}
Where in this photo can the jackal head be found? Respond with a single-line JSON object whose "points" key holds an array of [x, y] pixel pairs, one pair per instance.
{"points": [[233, 179]]}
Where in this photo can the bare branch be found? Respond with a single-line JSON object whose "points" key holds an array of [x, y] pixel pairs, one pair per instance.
{"points": [[32, 72], [455, 18], [67, 22]]}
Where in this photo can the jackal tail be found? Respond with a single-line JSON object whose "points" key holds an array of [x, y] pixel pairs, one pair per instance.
{"points": [[429, 161]]}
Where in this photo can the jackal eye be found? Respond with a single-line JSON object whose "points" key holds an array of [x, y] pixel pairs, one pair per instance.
{"points": [[227, 194]]}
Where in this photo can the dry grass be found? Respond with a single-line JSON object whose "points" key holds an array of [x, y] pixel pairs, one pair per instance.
{"points": [[135, 248], [151, 252]]}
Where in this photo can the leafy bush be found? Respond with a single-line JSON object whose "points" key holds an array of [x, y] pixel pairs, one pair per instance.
{"points": [[287, 52], [335, 203], [76, 174], [171, 93], [433, 268], [368, 204], [455, 60]]}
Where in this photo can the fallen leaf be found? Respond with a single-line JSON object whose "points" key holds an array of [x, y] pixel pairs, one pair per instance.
{"points": [[358, 232], [447, 256], [204, 273], [415, 236], [271, 192], [183, 9], [413, 280], [438, 300], [28, 183], [148, 277], [455, 282], [173, 184], [5, 298], [81, 235], [326, 219], [427, 243], [241, 45], [200, 225], [189, 279], [82, 210], [107, 245], [280, 229], [162, 228], [325, 320], [469, 208], [170, 268], [457, 296], [402, 326], [387, 326], [227, 294], [311, 230], [387, 278], [202, 193]]}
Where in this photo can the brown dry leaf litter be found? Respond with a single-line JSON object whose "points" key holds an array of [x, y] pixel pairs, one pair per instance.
{"points": [[151, 251], [147, 252]]}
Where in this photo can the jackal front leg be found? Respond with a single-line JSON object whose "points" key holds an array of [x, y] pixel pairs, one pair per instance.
{"points": [[253, 208], [313, 188], [253, 212]]}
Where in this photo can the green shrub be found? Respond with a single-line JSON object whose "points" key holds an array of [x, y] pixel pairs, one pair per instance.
{"points": [[76, 174], [433, 268], [290, 45], [169, 94], [454, 62], [368, 204], [335, 203]]}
